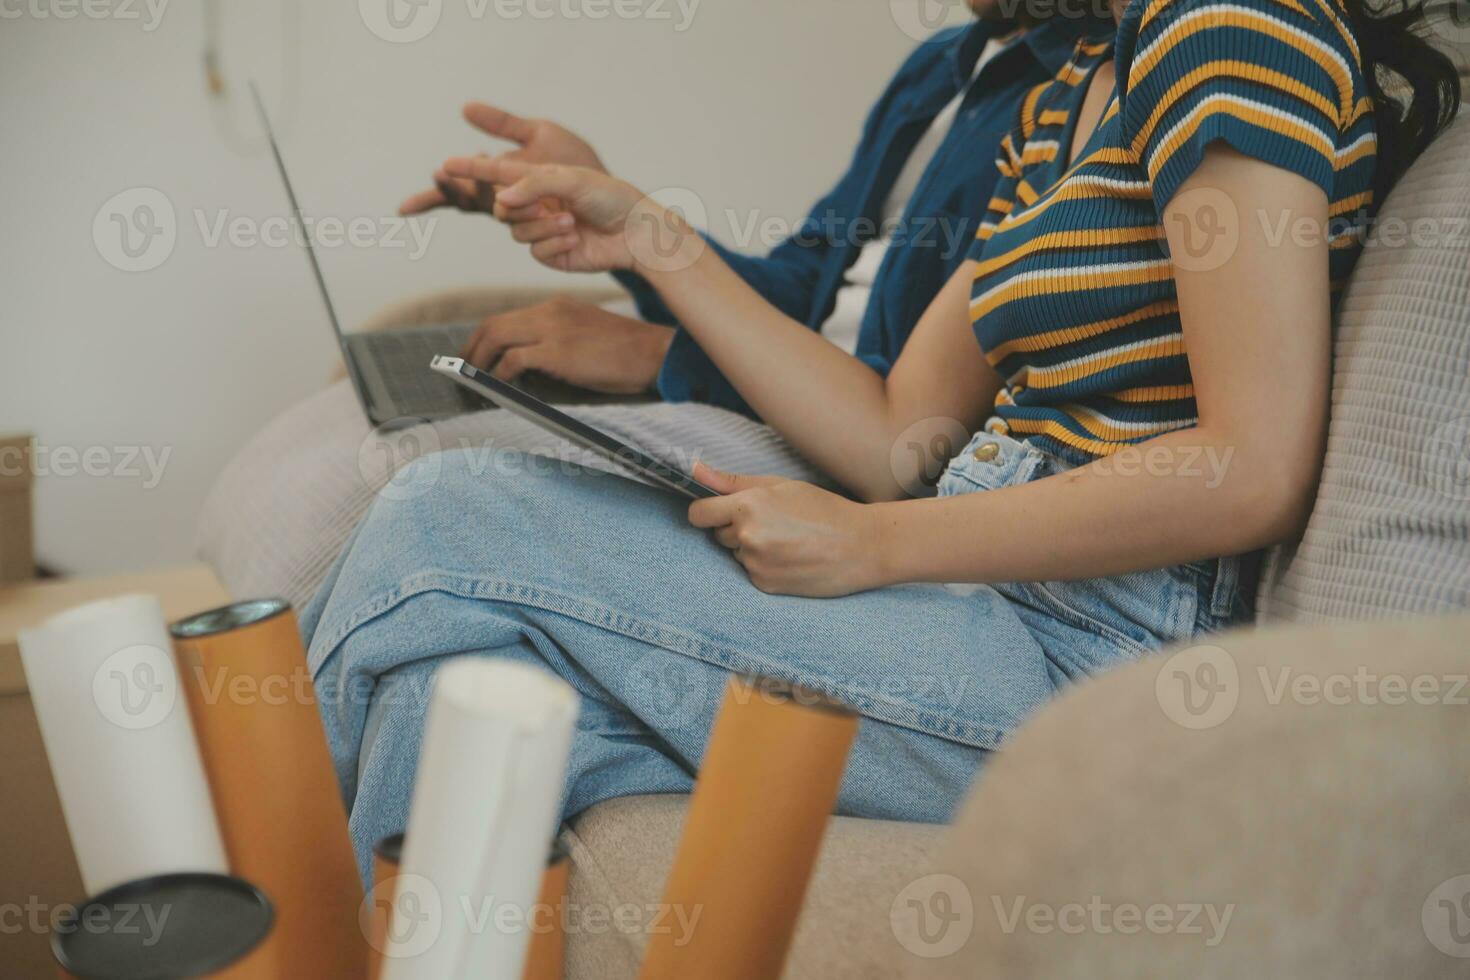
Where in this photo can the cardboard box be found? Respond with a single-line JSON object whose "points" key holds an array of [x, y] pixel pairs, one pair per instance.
{"points": [[17, 549], [37, 870]]}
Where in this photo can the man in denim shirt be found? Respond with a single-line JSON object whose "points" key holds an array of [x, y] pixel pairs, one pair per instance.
{"points": [[863, 265]]}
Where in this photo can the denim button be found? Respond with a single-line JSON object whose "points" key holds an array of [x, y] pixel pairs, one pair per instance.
{"points": [[987, 452]]}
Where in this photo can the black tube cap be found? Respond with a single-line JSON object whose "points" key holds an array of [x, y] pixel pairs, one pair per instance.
{"points": [[169, 927]]}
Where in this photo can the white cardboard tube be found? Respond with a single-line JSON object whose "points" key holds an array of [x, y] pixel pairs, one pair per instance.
{"points": [[483, 816], [116, 727]]}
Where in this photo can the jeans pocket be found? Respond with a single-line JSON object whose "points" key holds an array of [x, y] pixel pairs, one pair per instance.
{"points": [[1139, 612], [990, 462], [1227, 590]]}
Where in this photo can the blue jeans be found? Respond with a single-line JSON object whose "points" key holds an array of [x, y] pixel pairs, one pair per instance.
{"points": [[602, 581]]}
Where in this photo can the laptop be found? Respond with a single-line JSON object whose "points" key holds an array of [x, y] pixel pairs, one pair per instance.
{"points": [[389, 369]]}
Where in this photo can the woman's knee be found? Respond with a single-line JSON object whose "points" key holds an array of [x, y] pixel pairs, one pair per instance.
{"points": [[467, 486]]}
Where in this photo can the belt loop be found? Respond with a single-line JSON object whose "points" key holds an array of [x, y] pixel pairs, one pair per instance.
{"points": [[1227, 586]]}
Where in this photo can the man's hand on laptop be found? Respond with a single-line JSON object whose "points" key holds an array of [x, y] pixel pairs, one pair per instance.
{"points": [[537, 140], [576, 342]]}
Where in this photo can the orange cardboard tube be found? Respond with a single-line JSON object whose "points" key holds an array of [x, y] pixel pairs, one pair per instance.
{"points": [[244, 674], [185, 925], [546, 957], [387, 854], [766, 788]]}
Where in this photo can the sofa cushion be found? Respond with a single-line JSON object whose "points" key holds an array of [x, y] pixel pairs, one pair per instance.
{"points": [[1300, 814], [1390, 533], [622, 851]]}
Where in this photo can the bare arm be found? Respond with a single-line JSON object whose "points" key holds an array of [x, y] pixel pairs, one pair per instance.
{"points": [[836, 410], [1258, 334], [832, 407]]}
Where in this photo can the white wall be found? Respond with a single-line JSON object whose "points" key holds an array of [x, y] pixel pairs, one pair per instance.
{"points": [[754, 106]]}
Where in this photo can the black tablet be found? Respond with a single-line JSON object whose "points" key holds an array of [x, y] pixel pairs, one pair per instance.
{"points": [[534, 410]]}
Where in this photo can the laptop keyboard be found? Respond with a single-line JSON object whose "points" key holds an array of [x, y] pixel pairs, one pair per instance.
{"points": [[403, 359]]}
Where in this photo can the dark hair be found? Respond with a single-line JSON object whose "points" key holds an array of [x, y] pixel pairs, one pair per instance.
{"points": [[1398, 59]]}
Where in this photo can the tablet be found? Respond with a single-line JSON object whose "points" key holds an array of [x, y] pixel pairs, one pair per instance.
{"points": [[537, 412]]}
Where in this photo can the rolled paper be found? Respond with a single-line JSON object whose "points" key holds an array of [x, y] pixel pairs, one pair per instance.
{"points": [[766, 788], [546, 957], [485, 801], [174, 926], [386, 855], [120, 743], [281, 814], [546, 954]]}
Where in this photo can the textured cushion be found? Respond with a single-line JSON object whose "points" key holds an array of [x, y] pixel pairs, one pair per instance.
{"points": [[1390, 533], [622, 851], [1328, 823]]}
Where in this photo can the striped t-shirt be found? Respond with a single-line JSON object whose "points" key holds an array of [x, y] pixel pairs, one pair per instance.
{"points": [[1074, 301]]}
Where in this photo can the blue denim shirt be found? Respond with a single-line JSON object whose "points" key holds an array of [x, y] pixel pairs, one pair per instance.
{"points": [[802, 275]]}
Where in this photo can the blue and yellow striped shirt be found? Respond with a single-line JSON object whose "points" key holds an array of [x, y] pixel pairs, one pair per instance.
{"points": [[1074, 300]]}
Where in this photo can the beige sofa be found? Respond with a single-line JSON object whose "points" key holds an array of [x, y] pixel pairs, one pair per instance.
{"points": [[1301, 836], [1331, 831]]}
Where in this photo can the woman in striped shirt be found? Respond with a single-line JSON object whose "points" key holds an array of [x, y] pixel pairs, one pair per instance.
{"points": [[1140, 346], [1177, 211]]}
